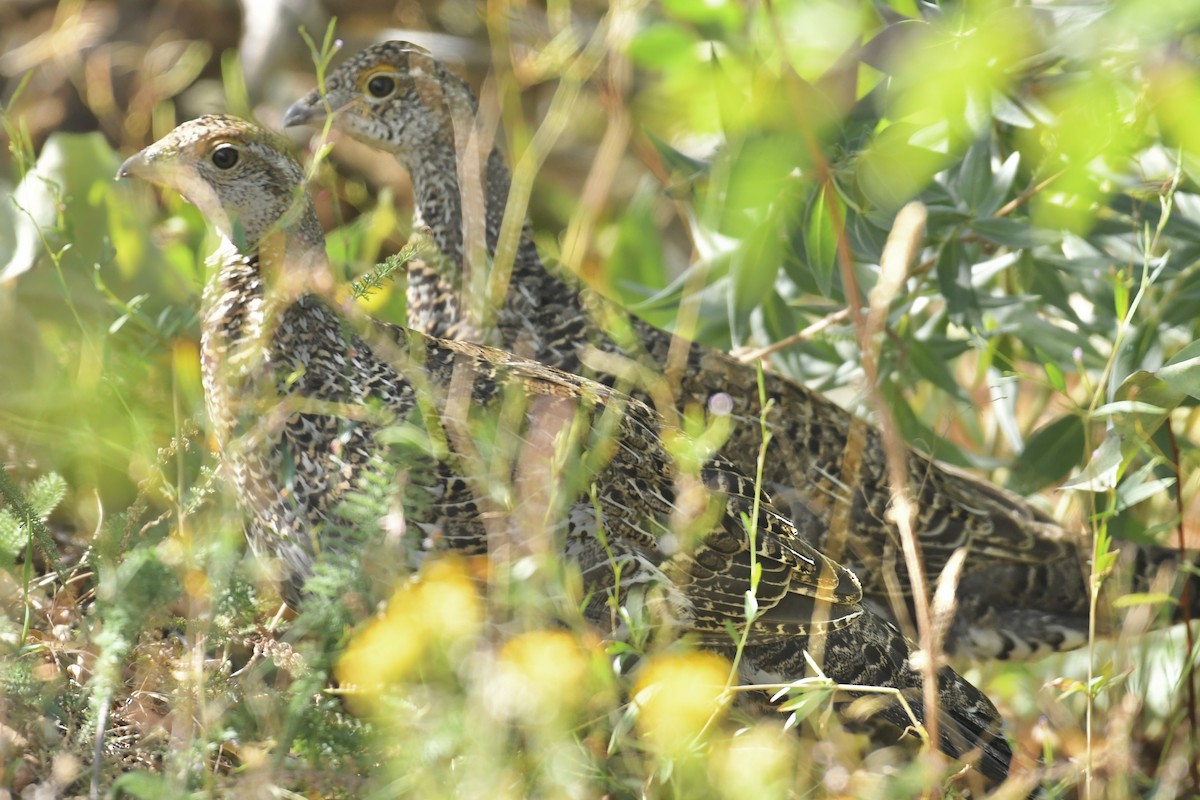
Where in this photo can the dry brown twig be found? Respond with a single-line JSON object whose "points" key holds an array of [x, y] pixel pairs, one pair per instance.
{"points": [[902, 245]]}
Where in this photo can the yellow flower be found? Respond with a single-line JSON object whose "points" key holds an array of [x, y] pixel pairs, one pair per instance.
{"points": [[758, 763], [436, 610], [544, 672], [677, 696]]}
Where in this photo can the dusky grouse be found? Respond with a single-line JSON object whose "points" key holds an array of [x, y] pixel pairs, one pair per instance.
{"points": [[1023, 589], [301, 394]]}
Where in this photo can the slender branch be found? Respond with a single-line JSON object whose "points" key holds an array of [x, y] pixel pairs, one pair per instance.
{"points": [[1185, 600], [902, 244], [1024, 197], [598, 184], [802, 336]]}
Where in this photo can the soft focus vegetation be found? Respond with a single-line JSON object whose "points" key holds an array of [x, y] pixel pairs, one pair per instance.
{"points": [[731, 170]]}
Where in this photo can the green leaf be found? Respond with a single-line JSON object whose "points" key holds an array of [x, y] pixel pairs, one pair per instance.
{"points": [[1101, 473], [662, 45], [1126, 407], [1055, 376], [1120, 297], [1182, 373], [755, 267], [233, 77], [14, 538], [913, 429], [1146, 387], [761, 181], [636, 258], [142, 785], [46, 493], [726, 13], [622, 727], [954, 282], [675, 160], [1144, 599], [820, 238], [1048, 456], [932, 368], [1142, 485], [779, 320], [806, 700], [1014, 233], [908, 8], [892, 171], [1002, 183], [1140, 492], [975, 174]]}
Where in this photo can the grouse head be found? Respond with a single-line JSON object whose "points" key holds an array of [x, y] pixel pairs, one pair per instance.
{"points": [[394, 96], [238, 175]]}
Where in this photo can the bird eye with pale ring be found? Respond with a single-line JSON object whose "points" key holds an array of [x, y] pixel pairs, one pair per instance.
{"points": [[225, 157], [381, 86]]}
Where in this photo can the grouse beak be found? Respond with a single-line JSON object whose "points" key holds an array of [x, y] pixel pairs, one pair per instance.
{"points": [[136, 166], [153, 166], [302, 112]]}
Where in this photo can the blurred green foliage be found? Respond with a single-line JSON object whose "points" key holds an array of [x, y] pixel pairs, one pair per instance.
{"points": [[1059, 195]]}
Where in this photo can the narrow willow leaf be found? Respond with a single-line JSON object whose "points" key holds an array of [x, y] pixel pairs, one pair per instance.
{"points": [[1132, 492], [1144, 386], [1126, 407], [1002, 182], [1048, 456], [954, 282], [1101, 473], [1144, 599], [1121, 298], [975, 174], [1182, 376], [933, 368], [820, 239], [1014, 233], [1055, 376]]}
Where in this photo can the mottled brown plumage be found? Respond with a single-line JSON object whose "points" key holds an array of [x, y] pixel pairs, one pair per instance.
{"points": [[1023, 588], [300, 393]]}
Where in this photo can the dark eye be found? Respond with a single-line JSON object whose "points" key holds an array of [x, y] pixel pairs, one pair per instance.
{"points": [[225, 156], [381, 86]]}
